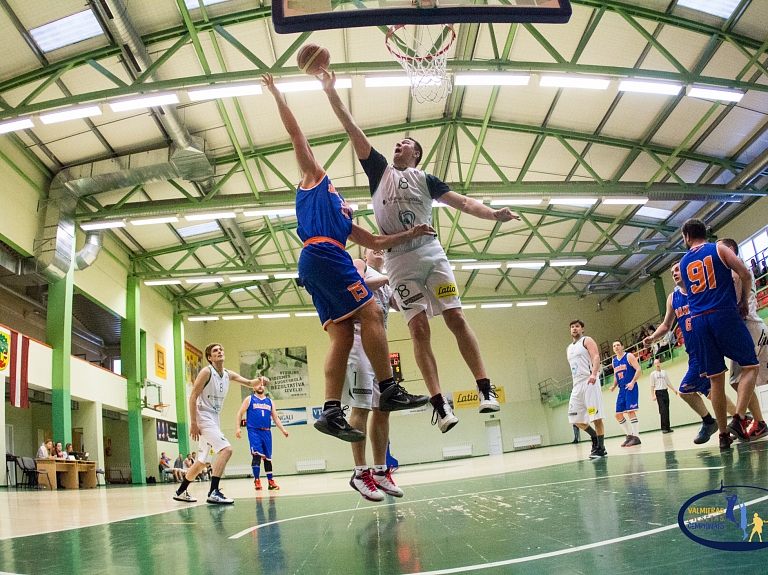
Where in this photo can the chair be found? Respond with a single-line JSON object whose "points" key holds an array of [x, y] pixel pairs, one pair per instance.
{"points": [[101, 472], [11, 476], [32, 473], [164, 476]]}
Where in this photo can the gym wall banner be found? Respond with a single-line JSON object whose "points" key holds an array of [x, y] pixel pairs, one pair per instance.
{"points": [[464, 399], [193, 362], [292, 416], [160, 361], [166, 431], [285, 367]]}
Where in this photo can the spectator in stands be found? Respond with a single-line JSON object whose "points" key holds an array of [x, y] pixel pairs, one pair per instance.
{"points": [[58, 452], [165, 464], [755, 268], [763, 279], [188, 462], [69, 451], [44, 452], [178, 469]]}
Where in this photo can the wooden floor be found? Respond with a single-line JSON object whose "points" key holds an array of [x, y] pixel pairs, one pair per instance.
{"points": [[547, 510]]}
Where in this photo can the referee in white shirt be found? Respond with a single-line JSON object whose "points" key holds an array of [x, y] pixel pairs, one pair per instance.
{"points": [[659, 384]]}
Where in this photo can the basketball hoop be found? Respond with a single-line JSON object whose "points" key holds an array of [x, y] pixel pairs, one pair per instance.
{"points": [[161, 407], [424, 58]]}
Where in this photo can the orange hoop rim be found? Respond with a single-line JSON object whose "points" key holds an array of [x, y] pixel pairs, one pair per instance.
{"points": [[401, 57]]}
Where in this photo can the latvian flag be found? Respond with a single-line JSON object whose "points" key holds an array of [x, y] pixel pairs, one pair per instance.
{"points": [[19, 368]]}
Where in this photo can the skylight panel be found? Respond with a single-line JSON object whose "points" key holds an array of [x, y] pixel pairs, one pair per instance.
{"points": [[192, 4], [721, 8], [655, 213], [66, 31], [198, 229]]}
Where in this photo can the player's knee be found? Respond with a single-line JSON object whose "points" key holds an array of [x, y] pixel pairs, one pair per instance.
{"points": [[619, 416], [255, 460], [226, 452], [454, 319], [419, 327]]}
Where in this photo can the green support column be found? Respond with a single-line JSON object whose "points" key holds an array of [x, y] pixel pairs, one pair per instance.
{"points": [[130, 354], [58, 334], [179, 362], [661, 295]]}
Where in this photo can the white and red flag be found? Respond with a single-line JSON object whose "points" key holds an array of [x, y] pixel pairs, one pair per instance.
{"points": [[19, 370]]}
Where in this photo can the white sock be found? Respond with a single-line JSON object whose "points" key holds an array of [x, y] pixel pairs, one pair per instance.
{"points": [[359, 469], [625, 426], [380, 468], [635, 426]]}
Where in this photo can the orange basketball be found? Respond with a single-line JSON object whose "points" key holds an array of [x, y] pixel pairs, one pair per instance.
{"points": [[313, 58]]}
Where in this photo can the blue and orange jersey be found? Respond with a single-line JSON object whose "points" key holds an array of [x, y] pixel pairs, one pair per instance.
{"points": [[259, 414], [623, 371], [323, 215], [683, 314], [708, 280]]}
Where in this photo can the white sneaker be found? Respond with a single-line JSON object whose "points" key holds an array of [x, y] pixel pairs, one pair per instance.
{"points": [[488, 401], [384, 482], [218, 498], [366, 486], [445, 420], [185, 497]]}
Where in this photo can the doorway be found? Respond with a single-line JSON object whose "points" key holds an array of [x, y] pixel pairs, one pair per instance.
{"points": [[493, 431]]}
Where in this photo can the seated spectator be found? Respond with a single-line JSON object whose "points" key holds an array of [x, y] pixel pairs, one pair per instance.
{"points": [[205, 474], [188, 462], [178, 469], [165, 464], [58, 452], [44, 452], [69, 451]]}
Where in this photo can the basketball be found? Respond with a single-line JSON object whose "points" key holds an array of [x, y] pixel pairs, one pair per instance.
{"points": [[313, 58]]}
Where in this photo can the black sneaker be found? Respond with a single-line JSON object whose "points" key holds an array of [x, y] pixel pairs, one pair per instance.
{"points": [[332, 422], [633, 440], [705, 433], [725, 441], [396, 398], [738, 427], [598, 453]]}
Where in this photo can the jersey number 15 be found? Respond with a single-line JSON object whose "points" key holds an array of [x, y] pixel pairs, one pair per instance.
{"points": [[702, 275]]}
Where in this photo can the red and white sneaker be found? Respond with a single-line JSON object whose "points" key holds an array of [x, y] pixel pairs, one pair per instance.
{"points": [[257, 484], [272, 485], [384, 482], [758, 430], [366, 486]]}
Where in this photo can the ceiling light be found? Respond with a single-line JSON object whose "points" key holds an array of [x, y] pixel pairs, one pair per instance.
{"points": [[250, 278], [306, 314], [530, 303], [273, 213], [649, 87], [273, 315], [309, 85], [192, 4], [482, 266], [462, 261], [354, 207], [103, 225], [239, 316], [572, 201], [574, 82], [625, 201], [71, 114], [286, 276], [493, 305], [587, 273], [516, 201], [150, 221], [453, 267], [655, 213], [203, 318], [198, 230], [210, 216], [233, 91], [712, 94], [66, 31], [526, 265], [204, 280], [14, 125], [491, 80], [468, 306], [162, 282], [567, 263], [721, 8], [144, 102]]}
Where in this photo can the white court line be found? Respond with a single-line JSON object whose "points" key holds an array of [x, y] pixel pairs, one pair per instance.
{"points": [[257, 527]]}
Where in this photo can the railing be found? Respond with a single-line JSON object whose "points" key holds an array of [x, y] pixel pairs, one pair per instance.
{"points": [[554, 393]]}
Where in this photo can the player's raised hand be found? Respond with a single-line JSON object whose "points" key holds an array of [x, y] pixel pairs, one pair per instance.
{"points": [[422, 230], [505, 215], [648, 341], [327, 79], [269, 83]]}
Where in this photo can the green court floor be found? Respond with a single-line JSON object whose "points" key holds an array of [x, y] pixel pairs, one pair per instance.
{"points": [[615, 516]]}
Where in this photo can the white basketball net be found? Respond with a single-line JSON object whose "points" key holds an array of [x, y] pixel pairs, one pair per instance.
{"points": [[424, 58]]}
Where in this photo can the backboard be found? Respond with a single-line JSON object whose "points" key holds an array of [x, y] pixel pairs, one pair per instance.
{"points": [[291, 16]]}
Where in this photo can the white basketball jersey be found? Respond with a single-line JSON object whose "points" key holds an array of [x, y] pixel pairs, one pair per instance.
{"points": [[381, 295], [215, 390], [579, 360], [752, 315]]}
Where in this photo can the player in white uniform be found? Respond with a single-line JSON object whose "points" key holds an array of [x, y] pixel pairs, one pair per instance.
{"points": [[362, 394], [586, 404], [759, 332], [205, 403], [419, 271]]}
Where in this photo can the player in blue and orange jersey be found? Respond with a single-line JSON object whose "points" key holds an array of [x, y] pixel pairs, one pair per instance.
{"points": [[338, 292], [717, 323], [626, 372]]}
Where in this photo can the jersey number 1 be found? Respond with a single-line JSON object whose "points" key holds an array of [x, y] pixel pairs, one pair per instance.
{"points": [[700, 280]]}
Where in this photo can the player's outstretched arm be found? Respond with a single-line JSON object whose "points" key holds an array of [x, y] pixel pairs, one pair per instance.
{"points": [[277, 421], [359, 140], [236, 377], [665, 327], [478, 209], [366, 239], [240, 414], [374, 283]]}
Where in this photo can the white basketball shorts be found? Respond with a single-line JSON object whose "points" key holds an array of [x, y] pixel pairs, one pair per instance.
{"points": [[586, 403], [211, 436], [360, 386]]}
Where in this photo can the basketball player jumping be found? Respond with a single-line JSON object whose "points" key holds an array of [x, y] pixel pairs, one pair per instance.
{"points": [[418, 270], [586, 404]]}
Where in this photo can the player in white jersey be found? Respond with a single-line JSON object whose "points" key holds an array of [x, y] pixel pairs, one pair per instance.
{"points": [[362, 394], [586, 404], [759, 332], [419, 271], [205, 403]]}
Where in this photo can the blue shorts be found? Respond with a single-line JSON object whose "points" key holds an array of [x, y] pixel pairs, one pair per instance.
{"points": [[720, 334], [694, 382], [333, 281], [627, 399], [261, 442]]}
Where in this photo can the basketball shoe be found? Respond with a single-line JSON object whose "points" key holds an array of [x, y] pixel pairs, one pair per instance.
{"points": [[598, 452], [185, 497], [759, 429], [725, 441], [633, 440], [488, 398], [443, 416], [272, 485], [738, 427], [705, 433], [366, 486], [626, 441], [332, 422], [384, 482], [257, 484], [396, 398], [218, 498]]}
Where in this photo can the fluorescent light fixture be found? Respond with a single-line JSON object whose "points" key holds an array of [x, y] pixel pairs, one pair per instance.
{"points": [[649, 87], [234, 317], [572, 201], [66, 31], [286, 276], [533, 265], [198, 230], [273, 315], [567, 263], [370, 206], [233, 91], [210, 216], [468, 306], [586, 273], [203, 318], [635, 201], [310, 85], [71, 114], [574, 82], [655, 213], [462, 261], [250, 278], [204, 280], [721, 8], [103, 225], [712, 94], [192, 4], [530, 303], [270, 213], [453, 267], [494, 305], [397, 81], [162, 282], [14, 125], [149, 101], [306, 314], [354, 207], [150, 221], [491, 80], [516, 201], [482, 266]]}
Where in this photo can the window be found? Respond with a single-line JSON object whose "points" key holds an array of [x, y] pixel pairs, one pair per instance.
{"points": [[117, 366], [66, 31]]}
